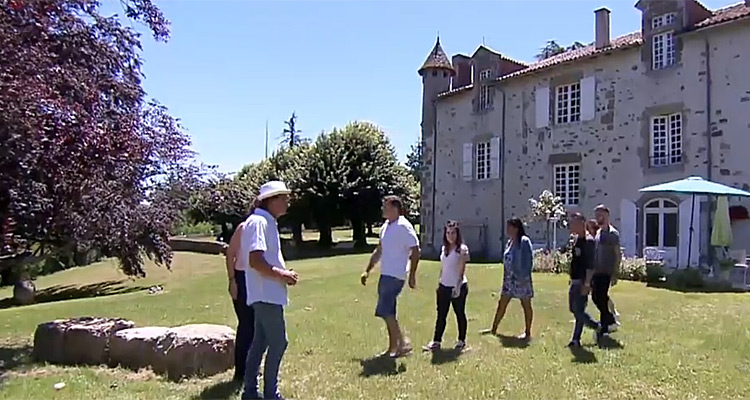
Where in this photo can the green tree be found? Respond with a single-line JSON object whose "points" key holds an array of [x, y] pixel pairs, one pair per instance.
{"points": [[291, 135], [222, 201], [551, 49], [545, 208], [575, 46], [414, 160], [352, 169]]}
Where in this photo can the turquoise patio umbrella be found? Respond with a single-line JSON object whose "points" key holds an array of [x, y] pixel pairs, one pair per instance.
{"points": [[695, 185]]}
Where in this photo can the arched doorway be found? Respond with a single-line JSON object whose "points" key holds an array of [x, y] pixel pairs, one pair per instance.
{"points": [[661, 228]]}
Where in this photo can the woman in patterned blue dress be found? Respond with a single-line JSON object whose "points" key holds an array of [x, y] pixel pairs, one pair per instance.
{"points": [[517, 265]]}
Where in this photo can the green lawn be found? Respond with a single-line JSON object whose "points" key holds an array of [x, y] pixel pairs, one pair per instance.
{"points": [[673, 345]]}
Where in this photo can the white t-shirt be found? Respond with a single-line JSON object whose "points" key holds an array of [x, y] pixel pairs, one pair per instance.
{"points": [[241, 263], [396, 240], [450, 266], [261, 233]]}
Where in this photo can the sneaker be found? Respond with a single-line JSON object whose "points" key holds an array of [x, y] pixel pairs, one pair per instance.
{"points": [[613, 327], [574, 344], [524, 337], [460, 345], [431, 346]]}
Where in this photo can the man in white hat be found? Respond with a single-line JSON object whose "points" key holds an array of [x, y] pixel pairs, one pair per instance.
{"points": [[267, 280]]}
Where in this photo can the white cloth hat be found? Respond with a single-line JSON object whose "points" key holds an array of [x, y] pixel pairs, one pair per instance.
{"points": [[272, 188]]}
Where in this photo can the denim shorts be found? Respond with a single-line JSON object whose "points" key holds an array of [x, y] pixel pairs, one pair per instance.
{"points": [[388, 290]]}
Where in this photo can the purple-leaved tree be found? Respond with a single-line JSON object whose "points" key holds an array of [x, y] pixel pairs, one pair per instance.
{"points": [[81, 149]]}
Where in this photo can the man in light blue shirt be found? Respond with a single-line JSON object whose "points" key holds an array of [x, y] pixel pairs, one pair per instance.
{"points": [[267, 280]]}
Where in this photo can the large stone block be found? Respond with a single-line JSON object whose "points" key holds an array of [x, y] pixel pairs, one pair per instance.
{"points": [[136, 348], [197, 246], [76, 341], [192, 350], [197, 350]]}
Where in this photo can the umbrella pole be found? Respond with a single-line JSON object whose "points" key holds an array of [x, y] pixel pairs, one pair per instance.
{"points": [[690, 235]]}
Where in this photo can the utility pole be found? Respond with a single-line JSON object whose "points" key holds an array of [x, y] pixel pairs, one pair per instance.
{"points": [[266, 139]]}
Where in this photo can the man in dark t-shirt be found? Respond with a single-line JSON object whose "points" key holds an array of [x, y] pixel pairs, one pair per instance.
{"points": [[581, 273]]}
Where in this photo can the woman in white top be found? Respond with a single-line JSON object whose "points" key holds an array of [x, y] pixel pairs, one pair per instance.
{"points": [[453, 288]]}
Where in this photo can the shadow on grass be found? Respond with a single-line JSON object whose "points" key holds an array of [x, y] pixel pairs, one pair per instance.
{"points": [[513, 341], [16, 357], [71, 292], [220, 390], [710, 287], [441, 356], [310, 249], [380, 365], [582, 355], [609, 343]]}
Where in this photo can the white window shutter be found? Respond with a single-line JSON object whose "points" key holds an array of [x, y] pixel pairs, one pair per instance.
{"points": [[542, 106], [468, 171], [628, 218], [588, 98], [495, 158]]}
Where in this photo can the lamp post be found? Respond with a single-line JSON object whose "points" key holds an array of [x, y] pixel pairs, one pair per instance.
{"points": [[554, 220]]}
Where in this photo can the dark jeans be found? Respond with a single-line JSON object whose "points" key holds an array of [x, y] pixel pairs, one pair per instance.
{"points": [[600, 295], [577, 305], [270, 334], [245, 326], [444, 302]]}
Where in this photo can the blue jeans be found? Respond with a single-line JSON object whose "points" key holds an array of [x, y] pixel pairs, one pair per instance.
{"points": [[270, 334], [388, 290], [577, 305]]}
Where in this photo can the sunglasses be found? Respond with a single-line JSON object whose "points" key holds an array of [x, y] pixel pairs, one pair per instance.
{"points": [[451, 224]]}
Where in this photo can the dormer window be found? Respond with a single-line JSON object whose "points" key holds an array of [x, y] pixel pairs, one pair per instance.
{"points": [[664, 52], [663, 20], [485, 74]]}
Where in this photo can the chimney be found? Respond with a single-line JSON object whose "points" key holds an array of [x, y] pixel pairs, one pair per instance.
{"points": [[462, 64], [602, 28]]}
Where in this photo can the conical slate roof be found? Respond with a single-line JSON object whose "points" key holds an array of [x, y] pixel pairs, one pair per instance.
{"points": [[437, 59]]}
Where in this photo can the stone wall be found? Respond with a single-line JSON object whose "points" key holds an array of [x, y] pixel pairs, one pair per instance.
{"points": [[613, 147]]}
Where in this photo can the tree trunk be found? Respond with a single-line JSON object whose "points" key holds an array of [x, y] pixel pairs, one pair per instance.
{"points": [[369, 230], [358, 231], [326, 236], [24, 291]]}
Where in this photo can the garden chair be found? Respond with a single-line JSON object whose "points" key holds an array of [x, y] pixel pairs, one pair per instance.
{"points": [[653, 256], [741, 257]]}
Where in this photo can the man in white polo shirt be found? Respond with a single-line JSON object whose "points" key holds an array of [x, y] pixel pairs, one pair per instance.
{"points": [[398, 253], [267, 280]]}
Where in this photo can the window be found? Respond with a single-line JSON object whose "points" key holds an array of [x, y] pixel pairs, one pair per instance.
{"points": [[567, 183], [485, 97], [484, 167], [664, 54], [661, 224], [666, 140], [485, 74], [663, 20], [568, 103]]}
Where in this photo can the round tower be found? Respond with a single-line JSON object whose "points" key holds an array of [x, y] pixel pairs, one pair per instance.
{"points": [[436, 73]]}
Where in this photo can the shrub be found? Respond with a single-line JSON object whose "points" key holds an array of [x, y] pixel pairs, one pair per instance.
{"points": [[690, 278], [553, 262], [200, 228], [655, 273], [632, 269]]}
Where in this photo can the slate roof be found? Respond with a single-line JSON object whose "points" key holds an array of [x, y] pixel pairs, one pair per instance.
{"points": [[725, 14], [437, 59], [721, 15]]}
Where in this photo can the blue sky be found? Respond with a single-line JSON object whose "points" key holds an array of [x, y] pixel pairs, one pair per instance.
{"points": [[231, 65]]}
